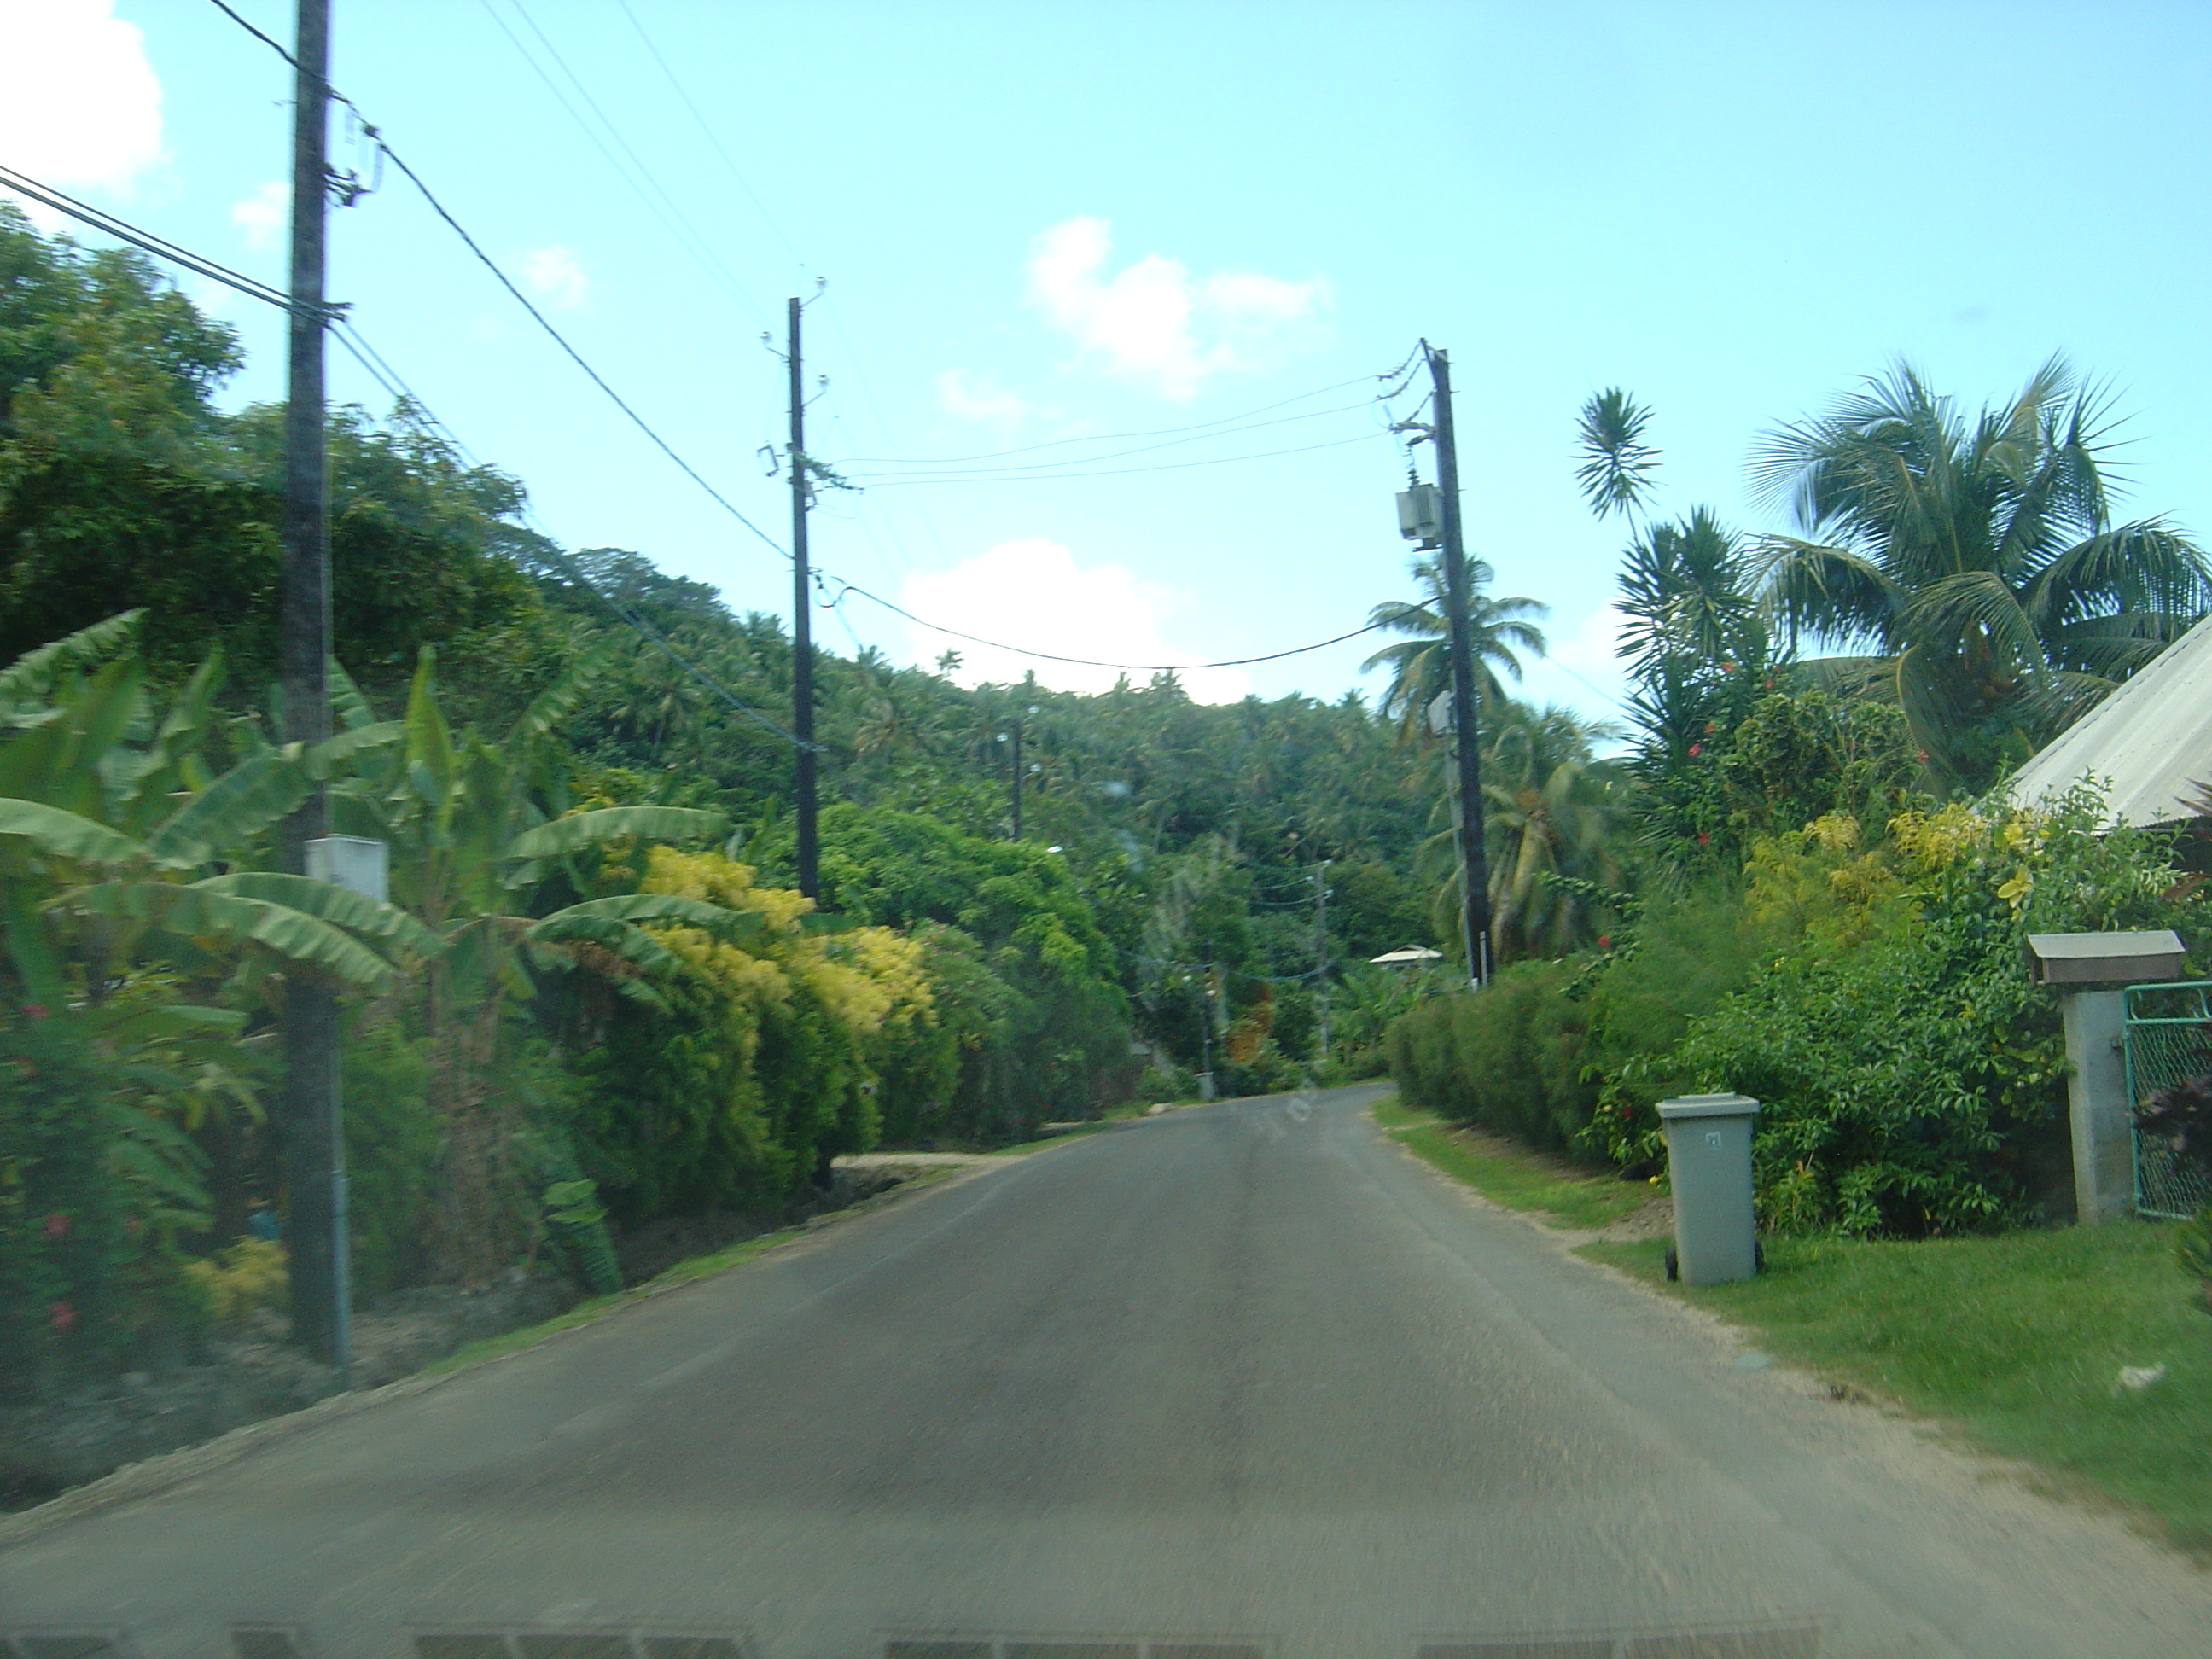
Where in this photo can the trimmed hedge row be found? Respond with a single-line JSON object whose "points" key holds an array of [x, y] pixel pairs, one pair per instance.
{"points": [[1509, 1060]]}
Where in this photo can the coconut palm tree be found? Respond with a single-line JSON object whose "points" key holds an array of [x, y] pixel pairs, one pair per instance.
{"points": [[1975, 564], [1549, 808], [1420, 667]]}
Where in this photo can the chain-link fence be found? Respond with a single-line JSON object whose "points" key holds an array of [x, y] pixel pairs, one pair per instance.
{"points": [[2168, 1041]]}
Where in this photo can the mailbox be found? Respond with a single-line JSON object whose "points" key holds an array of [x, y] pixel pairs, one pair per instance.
{"points": [[2106, 958]]}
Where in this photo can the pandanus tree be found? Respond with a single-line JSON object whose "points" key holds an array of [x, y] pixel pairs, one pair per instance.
{"points": [[1691, 632], [1974, 564]]}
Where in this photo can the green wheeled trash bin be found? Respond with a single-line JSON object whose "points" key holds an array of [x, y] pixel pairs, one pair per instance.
{"points": [[1709, 1166]]}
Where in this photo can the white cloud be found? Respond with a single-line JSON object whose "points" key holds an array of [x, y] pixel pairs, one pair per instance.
{"points": [[1032, 592], [974, 398], [556, 274], [79, 103], [1152, 323], [265, 216]]}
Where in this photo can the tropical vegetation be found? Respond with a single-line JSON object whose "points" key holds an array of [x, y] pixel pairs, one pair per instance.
{"points": [[1820, 899], [592, 999]]}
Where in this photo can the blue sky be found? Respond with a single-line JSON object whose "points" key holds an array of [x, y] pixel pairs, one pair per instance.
{"points": [[1051, 222]]}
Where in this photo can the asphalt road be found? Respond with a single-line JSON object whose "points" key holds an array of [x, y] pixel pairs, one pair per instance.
{"points": [[1244, 1378]]}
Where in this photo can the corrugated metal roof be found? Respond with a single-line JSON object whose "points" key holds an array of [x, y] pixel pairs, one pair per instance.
{"points": [[2152, 739], [1409, 953]]}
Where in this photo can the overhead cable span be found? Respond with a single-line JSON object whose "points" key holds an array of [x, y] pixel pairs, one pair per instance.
{"points": [[1093, 662], [124, 231], [370, 131]]}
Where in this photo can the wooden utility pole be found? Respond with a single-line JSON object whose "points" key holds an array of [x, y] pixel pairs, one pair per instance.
{"points": [[1466, 736], [802, 624], [313, 1135], [1321, 949], [1017, 777]]}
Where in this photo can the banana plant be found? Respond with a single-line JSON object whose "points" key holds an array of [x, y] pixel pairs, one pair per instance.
{"points": [[111, 824], [476, 835], [475, 831]]}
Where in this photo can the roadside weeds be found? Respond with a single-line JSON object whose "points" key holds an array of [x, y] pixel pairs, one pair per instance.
{"points": [[2014, 1343]]}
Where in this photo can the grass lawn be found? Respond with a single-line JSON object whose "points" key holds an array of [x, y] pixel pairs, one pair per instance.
{"points": [[1505, 1174], [2016, 1341]]}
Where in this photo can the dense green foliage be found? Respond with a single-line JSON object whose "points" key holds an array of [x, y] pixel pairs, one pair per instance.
{"points": [[1876, 999], [1978, 562], [593, 997], [1510, 1060], [1804, 919]]}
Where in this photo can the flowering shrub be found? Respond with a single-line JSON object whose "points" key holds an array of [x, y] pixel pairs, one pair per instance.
{"points": [[248, 1274], [766, 1057], [1911, 1077]]}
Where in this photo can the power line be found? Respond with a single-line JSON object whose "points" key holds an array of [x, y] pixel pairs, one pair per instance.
{"points": [[1110, 437], [124, 231], [680, 227], [1122, 454], [639, 421], [1092, 662], [1111, 472], [507, 283], [384, 375], [715, 142]]}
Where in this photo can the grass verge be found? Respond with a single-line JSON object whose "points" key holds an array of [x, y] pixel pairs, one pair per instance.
{"points": [[2016, 1341], [1505, 1174], [1105, 1121]]}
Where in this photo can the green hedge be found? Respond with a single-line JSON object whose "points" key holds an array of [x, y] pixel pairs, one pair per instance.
{"points": [[1507, 1058]]}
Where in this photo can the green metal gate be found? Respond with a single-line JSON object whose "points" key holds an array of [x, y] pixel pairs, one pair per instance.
{"points": [[2168, 1039]]}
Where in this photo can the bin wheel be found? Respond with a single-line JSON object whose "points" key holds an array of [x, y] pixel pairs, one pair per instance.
{"points": [[1674, 1265]]}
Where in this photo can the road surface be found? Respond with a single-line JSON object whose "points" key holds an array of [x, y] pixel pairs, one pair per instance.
{"points": [[1239, 1381]]}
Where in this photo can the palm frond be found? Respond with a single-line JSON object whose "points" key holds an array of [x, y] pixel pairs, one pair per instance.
{"points": [[2147, 566], [1826, 590], [557, 700], [232, 918], [1615, 474], [34, 673], [233, 809], [354, 710]]}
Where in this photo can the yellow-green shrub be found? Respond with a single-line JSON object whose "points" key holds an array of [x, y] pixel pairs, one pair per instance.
{"points": [[234, 1282]]}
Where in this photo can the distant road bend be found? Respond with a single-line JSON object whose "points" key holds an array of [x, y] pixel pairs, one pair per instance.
{"points": [[1236, 1382]]}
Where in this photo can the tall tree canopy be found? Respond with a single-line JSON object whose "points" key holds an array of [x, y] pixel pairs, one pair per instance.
{"points": [[1974, 561]]}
